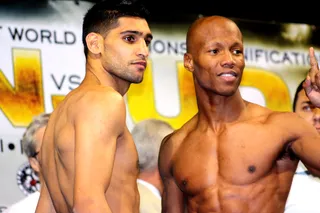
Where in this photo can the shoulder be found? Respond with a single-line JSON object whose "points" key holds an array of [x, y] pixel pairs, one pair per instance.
{"points": [[168, 148], [100, 94], [267, 115], [281, 120], [171, 143], [174, 140], [289, 119], [291, 125], [98, 100]]}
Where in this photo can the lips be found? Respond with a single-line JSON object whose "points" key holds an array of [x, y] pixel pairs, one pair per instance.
{"points": [[141, 63], [228, 76], [317, 127], [228, 73]]}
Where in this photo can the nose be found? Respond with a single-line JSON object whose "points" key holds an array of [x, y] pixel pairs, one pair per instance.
{"points": [[227, 60], [143, 50], [316, 114]]}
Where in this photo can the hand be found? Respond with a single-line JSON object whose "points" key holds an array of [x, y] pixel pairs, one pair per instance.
{"points": [[312, 83]]}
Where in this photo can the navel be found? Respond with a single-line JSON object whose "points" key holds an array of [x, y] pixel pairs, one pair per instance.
{"points": [[251, 169]]}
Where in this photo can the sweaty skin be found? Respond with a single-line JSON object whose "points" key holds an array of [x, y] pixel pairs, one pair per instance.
{"points": [[233, 156], [89, 161]]}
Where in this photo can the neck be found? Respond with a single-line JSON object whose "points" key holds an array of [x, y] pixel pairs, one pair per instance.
{"points": [[217, 109], [96, 73], [152, 177]]}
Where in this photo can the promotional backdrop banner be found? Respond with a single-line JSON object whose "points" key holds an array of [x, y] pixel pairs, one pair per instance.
{"points": [[42, 60]]}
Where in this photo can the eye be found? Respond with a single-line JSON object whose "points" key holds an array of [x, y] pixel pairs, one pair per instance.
{"points": [[215, 51], [130, 38], [148, 42], [306, 108], [237, 52]]}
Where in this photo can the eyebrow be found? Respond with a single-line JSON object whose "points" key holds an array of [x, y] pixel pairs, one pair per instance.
{"points": [[307, 102], [233, 45], [148, 36]]}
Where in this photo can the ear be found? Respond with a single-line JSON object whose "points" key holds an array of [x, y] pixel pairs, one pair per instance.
{"points": [[34, 163], [94, 43], [188, 62]]}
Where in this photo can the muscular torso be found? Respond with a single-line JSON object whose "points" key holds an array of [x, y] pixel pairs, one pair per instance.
{"points": [[241, 167], [58, 163]]}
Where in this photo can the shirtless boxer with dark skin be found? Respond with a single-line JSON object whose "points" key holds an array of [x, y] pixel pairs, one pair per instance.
{"points": [[89, 161], [233, 156]]}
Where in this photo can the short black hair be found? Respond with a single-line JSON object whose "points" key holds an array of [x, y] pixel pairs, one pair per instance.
{"points": [[104, 16], [299, 88]]}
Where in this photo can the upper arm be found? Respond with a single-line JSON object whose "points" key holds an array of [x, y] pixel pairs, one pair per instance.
{"points": [[306, 144], [99, 122], [172, 198]]}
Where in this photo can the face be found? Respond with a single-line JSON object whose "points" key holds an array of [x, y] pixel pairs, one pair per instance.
{"points": [[307, 111], [38, 136], [126, 50], [216, 56]]}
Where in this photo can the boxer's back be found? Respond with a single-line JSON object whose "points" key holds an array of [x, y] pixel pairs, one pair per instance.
{"points": [[58, 157]]}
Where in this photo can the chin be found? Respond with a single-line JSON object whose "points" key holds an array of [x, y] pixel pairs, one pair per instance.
{"points": [[228, 91], [136, 80], [225, 91]]}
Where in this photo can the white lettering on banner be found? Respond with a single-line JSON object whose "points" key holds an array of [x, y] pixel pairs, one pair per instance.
{"points": [[42, 36]]}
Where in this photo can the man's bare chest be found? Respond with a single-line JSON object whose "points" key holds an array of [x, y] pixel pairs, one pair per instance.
{"points": [[238, 156]]}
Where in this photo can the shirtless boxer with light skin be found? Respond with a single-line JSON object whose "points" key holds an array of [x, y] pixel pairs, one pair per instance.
{"points": [[233, 156], [90, 163]]}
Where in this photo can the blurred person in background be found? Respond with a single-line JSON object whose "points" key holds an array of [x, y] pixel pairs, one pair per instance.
{"points": [[31, 143], [147, 136]]}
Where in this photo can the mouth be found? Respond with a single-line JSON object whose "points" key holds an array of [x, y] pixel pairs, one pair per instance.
{"points": [[141, 64], [228, 76], [317, 128]]}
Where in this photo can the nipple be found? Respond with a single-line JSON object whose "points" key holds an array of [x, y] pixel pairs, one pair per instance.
{"points": [[251, 169]]}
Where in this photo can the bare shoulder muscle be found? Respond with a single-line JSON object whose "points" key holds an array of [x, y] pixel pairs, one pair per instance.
{"points": [[291, 124], [169, 146], [101, 103], [293, 128]]}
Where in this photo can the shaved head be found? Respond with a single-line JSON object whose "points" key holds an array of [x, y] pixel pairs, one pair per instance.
{"points": [[206, 28], [214, 47]]}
